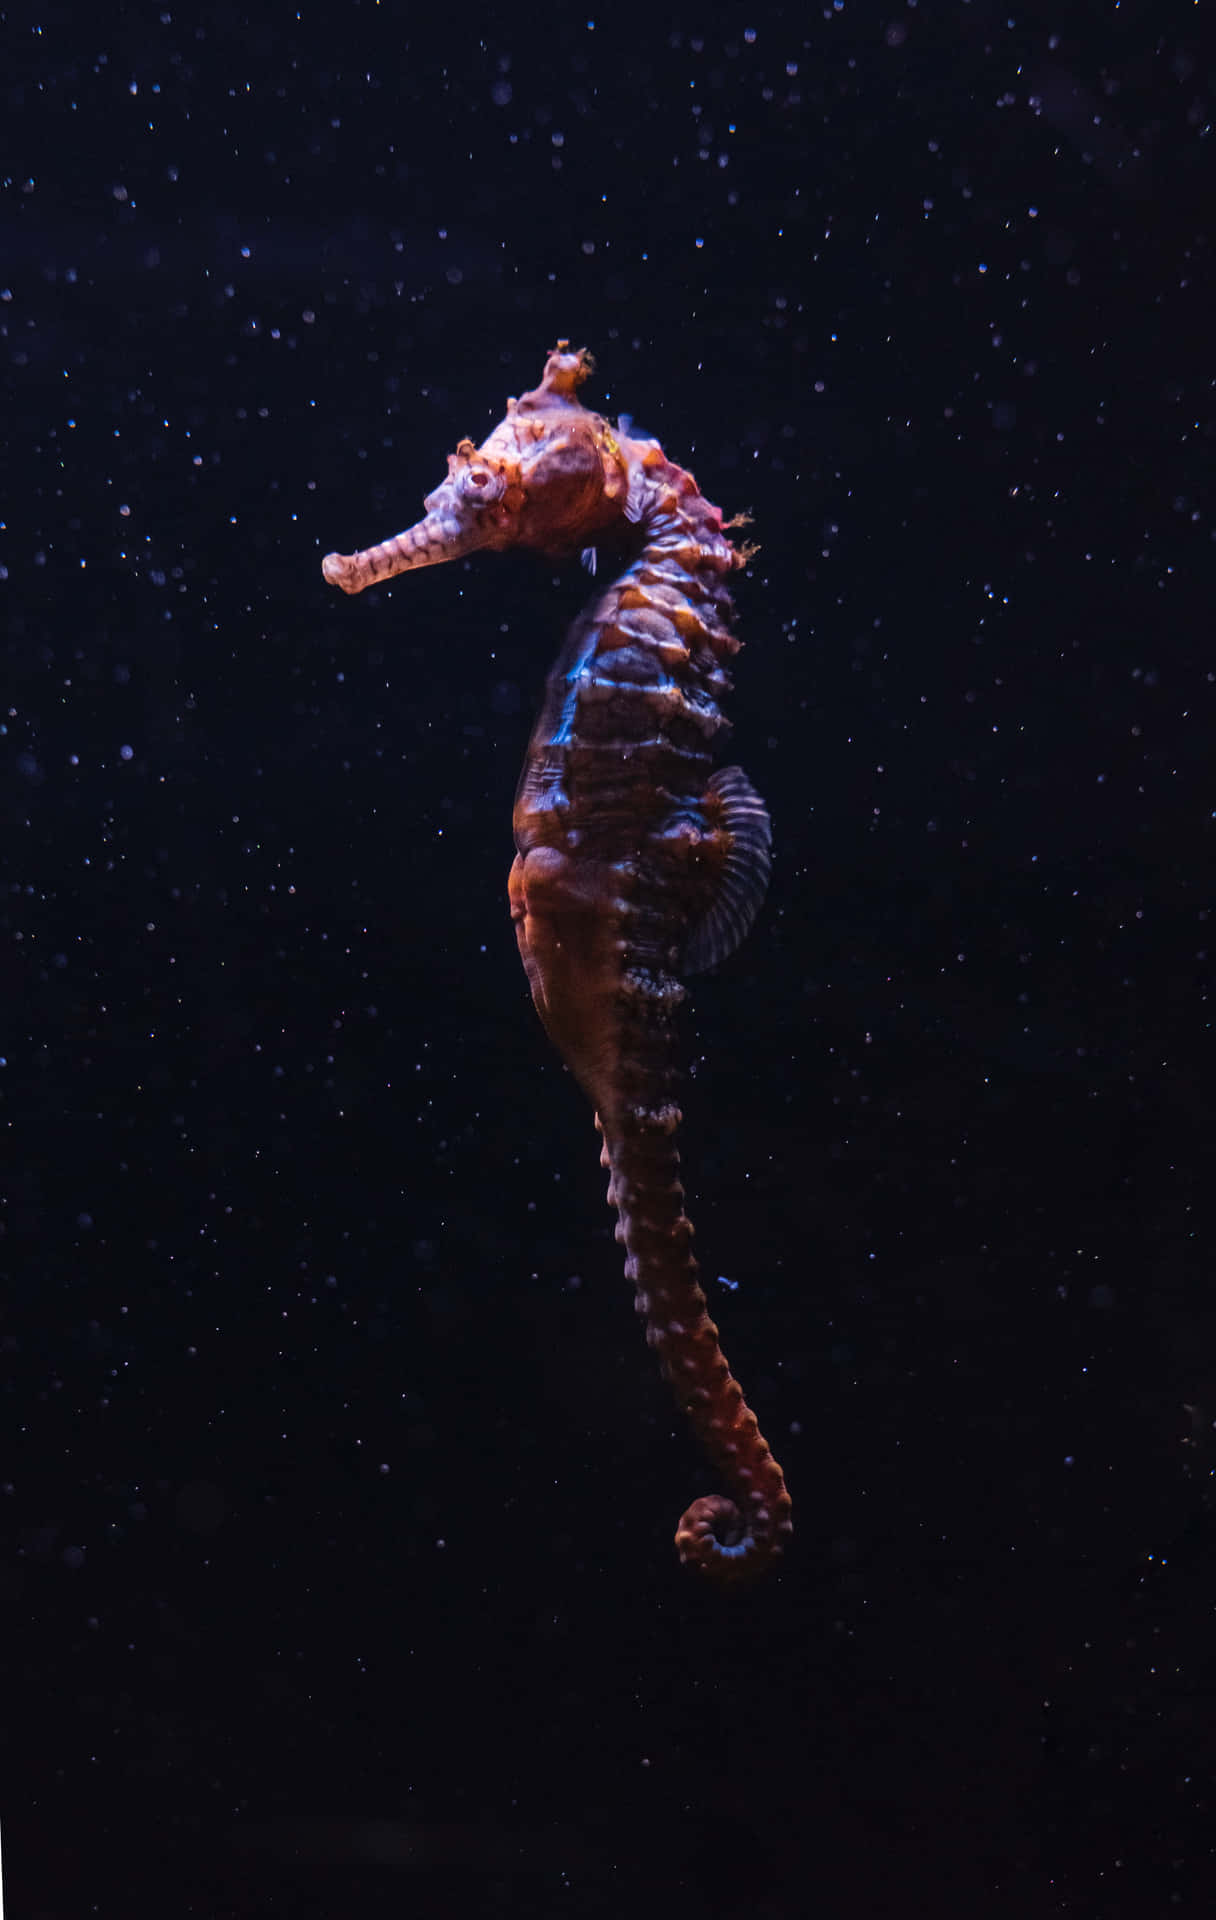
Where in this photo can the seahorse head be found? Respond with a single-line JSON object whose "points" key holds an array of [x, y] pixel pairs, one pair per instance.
{"points": [[552, 476]]}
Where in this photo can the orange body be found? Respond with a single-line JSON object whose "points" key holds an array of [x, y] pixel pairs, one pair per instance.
{"points": [[637, 862]]}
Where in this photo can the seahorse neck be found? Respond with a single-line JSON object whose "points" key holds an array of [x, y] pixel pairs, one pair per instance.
{"points": [[675, 520]]}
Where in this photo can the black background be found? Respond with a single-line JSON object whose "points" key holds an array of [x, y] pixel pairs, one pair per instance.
{"points": [[338, 1485]]}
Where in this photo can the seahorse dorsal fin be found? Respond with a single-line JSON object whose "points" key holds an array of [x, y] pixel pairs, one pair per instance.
{"points": [[733, 803]]}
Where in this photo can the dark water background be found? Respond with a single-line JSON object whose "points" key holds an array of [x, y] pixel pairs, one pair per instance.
{"points": [[338, 1485]]}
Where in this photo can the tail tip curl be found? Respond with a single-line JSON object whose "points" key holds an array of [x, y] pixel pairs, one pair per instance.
{"points": [[714, 1539]]}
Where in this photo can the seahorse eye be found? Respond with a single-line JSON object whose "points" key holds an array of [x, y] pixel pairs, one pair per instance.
{"points": [[481, 486]]}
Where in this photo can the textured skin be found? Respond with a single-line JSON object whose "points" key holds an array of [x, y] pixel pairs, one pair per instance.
{"points": [[628, 847]]}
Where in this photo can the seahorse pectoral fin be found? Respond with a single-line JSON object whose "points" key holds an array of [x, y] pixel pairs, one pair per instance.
{"points": [[733, 804], [635, 497]]}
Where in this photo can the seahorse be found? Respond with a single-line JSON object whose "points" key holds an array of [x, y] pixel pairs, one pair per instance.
{"points": [[636, 863]]}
